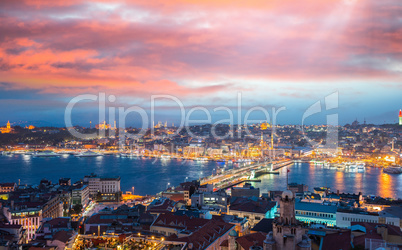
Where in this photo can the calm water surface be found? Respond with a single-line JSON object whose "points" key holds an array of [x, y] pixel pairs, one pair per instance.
{"points": [[150, 176]]}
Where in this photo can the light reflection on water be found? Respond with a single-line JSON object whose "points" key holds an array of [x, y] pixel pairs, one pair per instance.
{"points": [[150, 176], [369, 181]]}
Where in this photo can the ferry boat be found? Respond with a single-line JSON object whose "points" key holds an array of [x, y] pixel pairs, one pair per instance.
{"points": [[361, 165], [127, 155], [88, 153], [201, 159], [46, 153], [165, 157], [8, 153], [393, 170], [65, 153], [19, 152], [339, 166]]}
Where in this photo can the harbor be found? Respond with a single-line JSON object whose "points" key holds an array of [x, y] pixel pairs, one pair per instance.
{"points": [[150, 176]]}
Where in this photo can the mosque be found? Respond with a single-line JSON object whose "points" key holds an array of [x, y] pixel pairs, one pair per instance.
{"points": [[7, 129]]}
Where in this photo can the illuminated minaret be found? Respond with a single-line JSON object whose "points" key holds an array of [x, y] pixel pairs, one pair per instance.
{"points": [[262, 140], [400, 117], [9, 125]]}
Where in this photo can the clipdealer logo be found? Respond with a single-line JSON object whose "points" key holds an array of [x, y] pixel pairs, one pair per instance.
{"points": [[243, 118]]}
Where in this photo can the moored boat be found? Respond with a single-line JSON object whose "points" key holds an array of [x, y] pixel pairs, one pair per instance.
{"points": [[88, 153], [45, 153], [393, 170]]}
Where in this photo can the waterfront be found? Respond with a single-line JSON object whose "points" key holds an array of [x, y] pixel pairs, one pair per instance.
{"points": [[150, 176], [370, 181]]}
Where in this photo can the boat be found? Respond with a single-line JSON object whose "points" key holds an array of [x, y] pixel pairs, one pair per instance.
{"points": [[127, 155], [19, 152], [65, 153], [8, 153], [201, 159], [45, 153], [339, 166], [361, 165], [393, 170], [88, 153], [165, 157]]}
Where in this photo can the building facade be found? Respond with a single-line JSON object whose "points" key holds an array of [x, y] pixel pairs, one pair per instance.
{"points": [[316, 213], [104, 186], [53, 208], [80, 196], [28, 218]]}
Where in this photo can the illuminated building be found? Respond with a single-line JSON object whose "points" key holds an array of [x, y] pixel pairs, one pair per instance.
{"points": [[265, 126], [400, 117], [105, 126], [7, 129]]}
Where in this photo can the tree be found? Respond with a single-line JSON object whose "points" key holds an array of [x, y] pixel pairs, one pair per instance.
{"points": [[77, 208]]}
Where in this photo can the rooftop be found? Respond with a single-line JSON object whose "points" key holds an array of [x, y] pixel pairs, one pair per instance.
{"points": [[307, 206]]}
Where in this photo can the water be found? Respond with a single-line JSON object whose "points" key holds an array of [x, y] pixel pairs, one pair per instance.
{"points": [[371, 181], [147, 176], [150, 176]]}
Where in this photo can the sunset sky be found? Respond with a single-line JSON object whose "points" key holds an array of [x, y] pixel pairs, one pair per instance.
{"points": [[204, 52]]}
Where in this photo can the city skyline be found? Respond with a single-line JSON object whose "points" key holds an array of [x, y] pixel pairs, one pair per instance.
{"points": [[276, 53]]}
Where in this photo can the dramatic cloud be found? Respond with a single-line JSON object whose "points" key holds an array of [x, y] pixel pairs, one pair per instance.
{"points": [[202, 50]]}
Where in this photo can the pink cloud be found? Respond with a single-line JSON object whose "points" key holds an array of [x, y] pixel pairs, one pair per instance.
{"points": [[140, 47]]}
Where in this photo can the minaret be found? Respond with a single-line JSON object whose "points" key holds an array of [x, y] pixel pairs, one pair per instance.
{"points": [[400, 117], [9, 125], [262, 140], [114, 125], [287, 231]]}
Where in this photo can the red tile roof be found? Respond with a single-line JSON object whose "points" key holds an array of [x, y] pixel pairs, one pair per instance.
{"points": [[163, 207], [206, 235], [392, 230], [62, 236], [179, 221], [251, 206], [337, 241], [59, 222], [249, 240]]}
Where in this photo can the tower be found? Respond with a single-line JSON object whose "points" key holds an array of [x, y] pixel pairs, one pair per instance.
{"points": [[287, 232], [9, 125], [262, 140], [400, 117]]}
